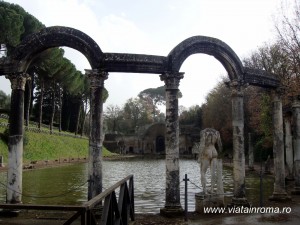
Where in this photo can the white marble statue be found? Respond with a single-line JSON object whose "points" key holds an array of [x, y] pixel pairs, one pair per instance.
{"points": [[208, 157]]}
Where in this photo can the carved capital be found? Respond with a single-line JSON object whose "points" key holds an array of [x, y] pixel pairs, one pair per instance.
{"points": [[171, 79], [237, 88], [18, 80], [96, 77], [277, 93]]}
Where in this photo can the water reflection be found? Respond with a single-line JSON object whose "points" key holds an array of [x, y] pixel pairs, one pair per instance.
{"points": [[68, 183]]}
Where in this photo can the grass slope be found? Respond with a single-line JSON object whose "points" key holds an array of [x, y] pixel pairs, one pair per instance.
{"points": [[50, 147]]}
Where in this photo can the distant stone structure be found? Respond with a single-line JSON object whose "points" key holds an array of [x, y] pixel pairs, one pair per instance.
{"points": [[150, 140]]}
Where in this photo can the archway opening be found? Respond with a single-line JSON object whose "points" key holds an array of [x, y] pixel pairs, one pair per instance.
{"points": [[201, 74], [160, 144]]}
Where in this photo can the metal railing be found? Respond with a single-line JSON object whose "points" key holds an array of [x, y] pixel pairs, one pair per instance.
{"points": [[114, 211]]}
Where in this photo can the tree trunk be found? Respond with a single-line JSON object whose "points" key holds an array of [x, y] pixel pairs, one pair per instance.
{"points": [[53, 107], [41, 104], [60, 107], [78, 119], [28, 92], [84, 116]]}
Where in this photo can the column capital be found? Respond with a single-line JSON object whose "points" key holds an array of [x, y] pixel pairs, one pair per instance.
{"points": [[171, 79], [279, 91], [96, 77], [277, 94], [237, 88], [18, 80]]}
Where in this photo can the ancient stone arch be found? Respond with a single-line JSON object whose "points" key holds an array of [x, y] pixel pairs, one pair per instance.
{"points": [[210, 46], [57, 36], [166, 66]]}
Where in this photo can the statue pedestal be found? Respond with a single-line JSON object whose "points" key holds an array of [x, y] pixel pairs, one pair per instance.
{"points": [[174, 211], [203, 201], [239, 202]]}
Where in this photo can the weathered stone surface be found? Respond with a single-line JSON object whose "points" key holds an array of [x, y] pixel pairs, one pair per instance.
{"points": [[239, 191], [279, 193], [137, 63], [134, 63], [260, 78], [207, 45], [296, 190], [205, 201], [296, 119], [289, 158], [57, 36], [15, 147], [208, 157], [172, 204], [96, 79]]}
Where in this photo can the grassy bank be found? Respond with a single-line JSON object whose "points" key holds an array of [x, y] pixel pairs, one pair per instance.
{"points": [[41, 146]]}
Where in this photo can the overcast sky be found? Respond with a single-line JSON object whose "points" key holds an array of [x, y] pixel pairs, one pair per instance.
{"points": [[156, 27]]}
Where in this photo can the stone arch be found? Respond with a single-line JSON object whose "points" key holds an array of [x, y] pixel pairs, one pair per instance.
{"points": [[210, 46], [57, 36]]}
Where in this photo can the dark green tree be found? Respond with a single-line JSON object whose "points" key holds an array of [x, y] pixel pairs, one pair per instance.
{"points": [[191, 116], [4, 101], [11, 26]]}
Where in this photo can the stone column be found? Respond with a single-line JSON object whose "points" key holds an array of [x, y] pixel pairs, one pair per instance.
{"points": [[237, 95], [96, 79], [296, 120], [279, 193], [172, 203], [15, 145], [289, 158], [250, 152]]}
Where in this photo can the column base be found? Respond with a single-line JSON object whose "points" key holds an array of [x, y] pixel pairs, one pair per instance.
{"points": [[296, 191], [204, 201], [172, 211], [239, 202], [280, 197]]}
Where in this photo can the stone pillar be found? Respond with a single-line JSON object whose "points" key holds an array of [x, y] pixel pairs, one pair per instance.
{"points": [[296, 120], [289, 158], [237, 95], [15, 145], [250, 152], [172, 203], [279, 193], [96, 79]]}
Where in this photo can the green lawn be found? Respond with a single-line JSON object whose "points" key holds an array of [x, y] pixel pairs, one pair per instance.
{"points": [[41, 146]]}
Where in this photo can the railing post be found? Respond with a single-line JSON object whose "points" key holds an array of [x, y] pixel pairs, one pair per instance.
{"points": [[83, 218], [131, 198], [185, 197]]}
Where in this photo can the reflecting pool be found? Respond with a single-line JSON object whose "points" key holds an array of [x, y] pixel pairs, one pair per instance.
{"points": [[68, 184]]}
